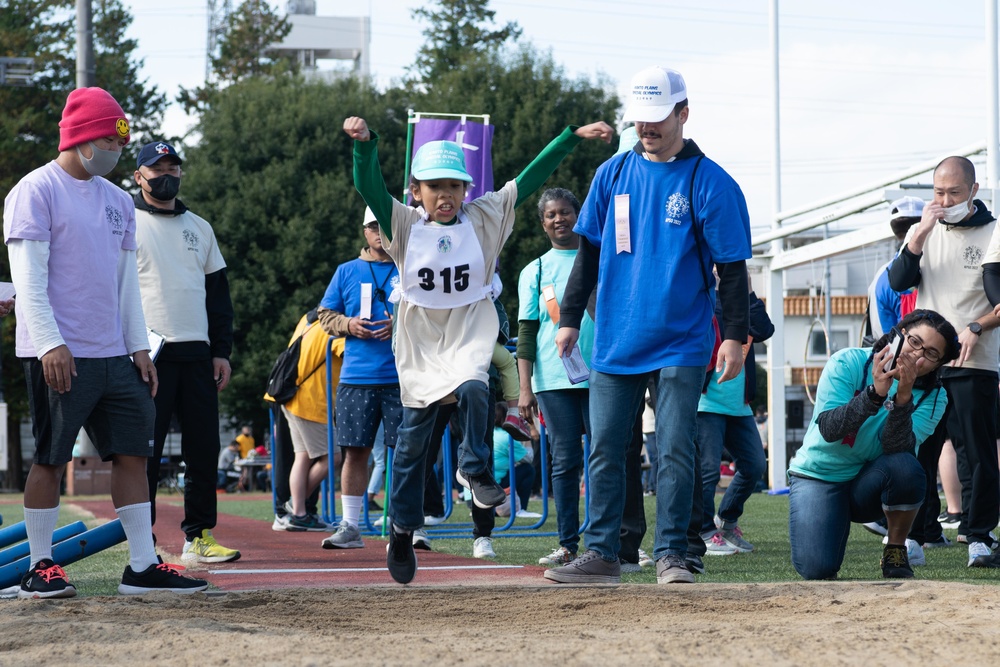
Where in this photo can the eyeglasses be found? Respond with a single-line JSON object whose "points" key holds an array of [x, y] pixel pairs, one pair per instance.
{"points": [[930, 354], [371, 226]]}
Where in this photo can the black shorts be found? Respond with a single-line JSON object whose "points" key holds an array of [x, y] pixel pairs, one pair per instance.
{"points": [[107, 398]]}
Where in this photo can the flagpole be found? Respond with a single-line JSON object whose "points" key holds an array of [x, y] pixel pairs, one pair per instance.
{"points": [[409, 151]]}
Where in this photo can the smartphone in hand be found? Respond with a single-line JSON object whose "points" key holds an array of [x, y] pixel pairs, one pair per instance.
{"points": [[896, 345]]}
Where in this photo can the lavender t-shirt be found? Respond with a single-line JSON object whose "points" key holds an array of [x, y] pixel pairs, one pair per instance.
{"points": [[87, 224]]}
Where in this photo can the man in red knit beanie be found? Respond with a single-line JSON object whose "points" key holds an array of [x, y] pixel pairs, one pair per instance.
{"points": [[70, 239]]}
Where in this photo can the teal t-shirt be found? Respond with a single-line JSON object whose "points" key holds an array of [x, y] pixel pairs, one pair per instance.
{"points": [[549, 372], [728, 398], [501, 452], [838, 461]]}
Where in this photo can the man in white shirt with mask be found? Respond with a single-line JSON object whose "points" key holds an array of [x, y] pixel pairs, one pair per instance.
{"points": [[946, 256]]}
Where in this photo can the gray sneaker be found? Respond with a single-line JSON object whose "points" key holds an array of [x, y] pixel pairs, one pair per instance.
{"points": [[671, 569], [589, 568], [346, 537]]}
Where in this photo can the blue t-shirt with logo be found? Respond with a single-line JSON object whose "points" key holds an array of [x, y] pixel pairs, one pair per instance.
{"points": [[653, 310], [366, 361]]}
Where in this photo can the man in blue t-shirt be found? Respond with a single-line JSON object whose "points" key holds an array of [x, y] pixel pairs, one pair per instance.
{"points": [[356, 305], [655, 222]]}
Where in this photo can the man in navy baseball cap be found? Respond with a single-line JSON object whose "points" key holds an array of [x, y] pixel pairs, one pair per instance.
{"points": [[153, 152]]}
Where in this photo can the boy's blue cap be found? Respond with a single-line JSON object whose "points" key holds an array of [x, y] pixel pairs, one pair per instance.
{"points": [[440, 159], [153, 152], [629, 138]]}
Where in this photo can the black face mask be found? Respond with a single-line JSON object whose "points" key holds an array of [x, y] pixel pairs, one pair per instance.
{"points": [[164, 188]]}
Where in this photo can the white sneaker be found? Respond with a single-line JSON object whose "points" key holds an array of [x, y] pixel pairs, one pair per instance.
{"points": [[421, 540], [433, 520], [483, 548], [645, 560], [977, 549], [280, 523], [525, 514]]}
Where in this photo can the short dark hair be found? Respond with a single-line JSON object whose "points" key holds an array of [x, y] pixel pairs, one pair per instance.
{"points": [[901, 225], [679, 106], [964, 164], [557, 194]]}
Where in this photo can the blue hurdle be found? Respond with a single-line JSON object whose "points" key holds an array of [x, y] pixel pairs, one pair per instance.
{"points": [[69, 551], [12, 534], [21, 550]]}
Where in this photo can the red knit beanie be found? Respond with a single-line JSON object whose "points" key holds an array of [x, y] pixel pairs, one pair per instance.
{"points": [[91, 113]]}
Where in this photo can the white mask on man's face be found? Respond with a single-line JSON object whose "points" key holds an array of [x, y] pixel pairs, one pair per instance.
{"points": [[957, 213]]}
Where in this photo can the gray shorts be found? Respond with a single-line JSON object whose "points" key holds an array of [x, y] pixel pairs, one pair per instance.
{"points": [[361, 408], [307, 436], [107, 398]]}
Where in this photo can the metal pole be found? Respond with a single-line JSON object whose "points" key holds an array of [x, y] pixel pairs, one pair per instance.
{"points": [[993, 107], [85, 69], [775, 283]]}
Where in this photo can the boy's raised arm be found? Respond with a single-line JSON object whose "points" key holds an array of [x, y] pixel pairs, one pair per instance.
{"points": [[367, 174], [536, 173]]}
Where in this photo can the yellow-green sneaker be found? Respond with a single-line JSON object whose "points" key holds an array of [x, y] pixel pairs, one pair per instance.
{"points": [[205, 549]]}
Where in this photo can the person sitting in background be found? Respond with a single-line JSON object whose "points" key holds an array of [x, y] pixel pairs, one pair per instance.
{"points": [[227, 464], [858, 459]]}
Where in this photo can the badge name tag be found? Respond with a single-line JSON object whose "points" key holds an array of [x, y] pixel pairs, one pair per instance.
{"points": [[551, 303], [623, 238], [366, 301]]}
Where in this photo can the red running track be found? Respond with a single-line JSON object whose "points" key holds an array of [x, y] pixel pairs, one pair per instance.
{"points": [[279, 559]]}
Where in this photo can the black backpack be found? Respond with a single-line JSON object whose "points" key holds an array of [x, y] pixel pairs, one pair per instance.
{"points": [[283, 381]]}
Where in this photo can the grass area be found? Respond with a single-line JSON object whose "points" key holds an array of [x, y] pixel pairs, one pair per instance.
{"points": [[765, 524]]}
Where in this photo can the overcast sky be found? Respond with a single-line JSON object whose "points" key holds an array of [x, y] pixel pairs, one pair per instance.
{"points": [[868, 88]]}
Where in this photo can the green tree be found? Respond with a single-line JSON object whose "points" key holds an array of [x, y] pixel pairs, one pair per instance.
{"points": [[29, 126], [243, 52], [456, 31]]}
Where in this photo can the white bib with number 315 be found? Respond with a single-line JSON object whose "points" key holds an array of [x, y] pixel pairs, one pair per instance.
{"points": [[443, 266]]}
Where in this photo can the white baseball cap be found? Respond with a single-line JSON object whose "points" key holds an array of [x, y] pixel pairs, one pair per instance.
{"points": [[907, 207], [653, 94], [369, 217]]}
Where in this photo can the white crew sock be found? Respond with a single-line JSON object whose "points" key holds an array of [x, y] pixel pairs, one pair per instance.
{"points": [[352, 508], [40, 525], [138, 526]]}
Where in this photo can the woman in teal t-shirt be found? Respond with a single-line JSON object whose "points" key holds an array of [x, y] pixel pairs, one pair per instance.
{"points": [[858, 460]]}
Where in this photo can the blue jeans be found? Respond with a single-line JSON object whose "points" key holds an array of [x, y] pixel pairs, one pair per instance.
{"points": [[740, 436], [567, 418], [406, 499], [820, 513], [614, 403]]}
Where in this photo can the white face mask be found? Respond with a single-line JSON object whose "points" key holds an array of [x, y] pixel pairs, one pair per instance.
{"points": [[956, 213], [101, 161]]}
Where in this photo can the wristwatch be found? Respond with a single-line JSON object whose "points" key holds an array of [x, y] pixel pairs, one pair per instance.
{"points": [[872, 394], [975, 327]]}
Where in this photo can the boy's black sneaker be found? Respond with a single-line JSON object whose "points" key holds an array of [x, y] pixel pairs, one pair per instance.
{"points": [[895, 563], [160, 577], [486, 493], [400, 557], [45, 580]]}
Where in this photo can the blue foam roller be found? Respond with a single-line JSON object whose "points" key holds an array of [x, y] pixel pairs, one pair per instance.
{"points": [[21, 550], [13, 534], [69, 551]]}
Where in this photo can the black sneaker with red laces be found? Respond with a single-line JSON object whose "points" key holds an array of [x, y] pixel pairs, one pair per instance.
{"points": [[159, 577], [45, 580]]}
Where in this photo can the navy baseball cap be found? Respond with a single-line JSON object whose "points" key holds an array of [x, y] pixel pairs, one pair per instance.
{"points": [[153, 151]]}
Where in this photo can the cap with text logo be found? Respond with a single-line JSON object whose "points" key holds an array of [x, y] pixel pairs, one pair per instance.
{"points": [[653, 94], [154, 151], [440, 159]]}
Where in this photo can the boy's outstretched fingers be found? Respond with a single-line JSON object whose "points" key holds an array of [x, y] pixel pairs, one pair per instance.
{"points": [[356, 128], [599, 130]]}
